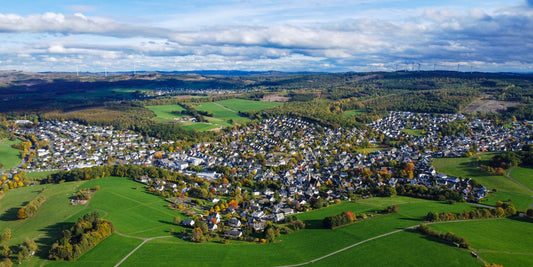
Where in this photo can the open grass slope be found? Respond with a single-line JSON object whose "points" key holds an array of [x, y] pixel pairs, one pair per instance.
{"points": [[505, 241], [221, 112], [46, 225], [9, 157], [402, 249], [164, 112], [523, 175], [132, 211], [137, 213], [300, 246], [506, 188]]}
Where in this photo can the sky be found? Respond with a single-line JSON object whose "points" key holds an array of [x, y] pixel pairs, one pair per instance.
{"points": [[262, 35]]}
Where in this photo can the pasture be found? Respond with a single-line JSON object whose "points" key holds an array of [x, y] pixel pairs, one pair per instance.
{"points": [[9, 157]]}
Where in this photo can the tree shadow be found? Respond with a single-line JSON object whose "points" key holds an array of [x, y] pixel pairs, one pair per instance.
{"points": [[314, 224], [10, 215], [167, 222], [51, 234]]}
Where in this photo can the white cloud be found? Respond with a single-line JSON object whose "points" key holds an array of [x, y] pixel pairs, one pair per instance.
{"points": [[476, 36]]}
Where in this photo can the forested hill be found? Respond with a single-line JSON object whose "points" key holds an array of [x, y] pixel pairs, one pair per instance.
{"points": [[322, 97]]}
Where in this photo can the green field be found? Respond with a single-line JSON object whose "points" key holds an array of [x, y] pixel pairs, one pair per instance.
{"points": [[505, 242], [220, 113], [243, 105], [136, 213], [506, 189], [417, 133], [223, 112], [351, 113], [46, 225], [402, 249], [164, 112], [9, 157], [523, 175], [39, 175]]}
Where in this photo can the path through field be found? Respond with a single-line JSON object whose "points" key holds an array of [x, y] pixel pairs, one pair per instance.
{"points": [[139, 246]]}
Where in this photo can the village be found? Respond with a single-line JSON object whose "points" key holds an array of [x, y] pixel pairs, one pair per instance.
{"points": [[287, 164]]}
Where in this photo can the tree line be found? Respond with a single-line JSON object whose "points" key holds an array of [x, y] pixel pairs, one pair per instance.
{"points": [[502, 210], [449, 237], [81, 237], [31, 208]]}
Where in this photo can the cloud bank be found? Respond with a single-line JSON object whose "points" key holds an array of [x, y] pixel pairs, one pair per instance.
{"points": [[499, 40]]}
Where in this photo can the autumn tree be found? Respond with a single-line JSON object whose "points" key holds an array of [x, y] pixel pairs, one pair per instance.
{"points": [[6, 236]]}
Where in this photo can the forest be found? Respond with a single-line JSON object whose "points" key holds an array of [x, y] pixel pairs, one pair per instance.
{"points": [[325, 98]]}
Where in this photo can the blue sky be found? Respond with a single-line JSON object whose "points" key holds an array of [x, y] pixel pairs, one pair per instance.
{"points": [[289, 35]]}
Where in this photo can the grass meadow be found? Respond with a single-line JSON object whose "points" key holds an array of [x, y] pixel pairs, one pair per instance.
{"points": [[164, 112], [9, 157], [523, 175], [505, 241], [135, 212], [223, 112]]}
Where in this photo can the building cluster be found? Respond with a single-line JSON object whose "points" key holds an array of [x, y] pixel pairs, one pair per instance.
{"points": [[305, 161]]}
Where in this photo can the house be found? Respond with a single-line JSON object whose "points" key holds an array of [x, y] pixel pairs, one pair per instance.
{"points": [[188, 222], [214, 217], [259, 226], [234, 222], [233, 233], [279, 217], [212, 226], [258, 214]]}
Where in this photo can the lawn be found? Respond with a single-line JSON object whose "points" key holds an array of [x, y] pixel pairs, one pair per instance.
{"points": [[9, 157], [164, 112], [496, 239], [243, 105]]}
